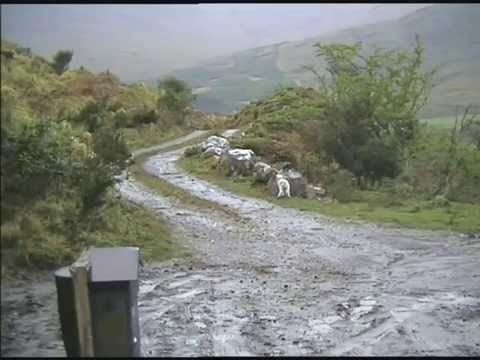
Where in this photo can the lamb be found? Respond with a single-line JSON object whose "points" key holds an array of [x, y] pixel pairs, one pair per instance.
{"points": [[283, 186]]}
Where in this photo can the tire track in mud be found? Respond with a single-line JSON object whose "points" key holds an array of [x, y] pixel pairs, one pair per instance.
{"points": [[303, 284], [283, 282]]}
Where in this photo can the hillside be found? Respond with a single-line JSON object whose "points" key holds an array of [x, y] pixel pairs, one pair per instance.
{"points": [[449, 36], [65, 137], [142, 42]]}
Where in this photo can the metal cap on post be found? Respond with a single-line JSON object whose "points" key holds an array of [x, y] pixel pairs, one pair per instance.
{"points": [[97, 303]]}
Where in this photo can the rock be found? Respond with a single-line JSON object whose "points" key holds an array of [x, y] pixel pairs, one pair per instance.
{"points": [[272, 185], [215, 145], [316, 192], [213, 140], [440, 201], [237, 162], [298, 184], [263, 172], [242, 154], [285, 166], [215, 151]]}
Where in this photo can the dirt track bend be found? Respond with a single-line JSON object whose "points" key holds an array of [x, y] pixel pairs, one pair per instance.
{"points": [[279, 281]]}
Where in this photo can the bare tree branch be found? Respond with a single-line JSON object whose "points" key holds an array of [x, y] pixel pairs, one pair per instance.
{"points": [[321, 78]]}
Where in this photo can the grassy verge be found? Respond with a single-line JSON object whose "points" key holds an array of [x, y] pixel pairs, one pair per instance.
{"points": [[48, 236], [130, 225], [142, 158], [151, 135], [368, 206], [51, 232], [443, 122]]}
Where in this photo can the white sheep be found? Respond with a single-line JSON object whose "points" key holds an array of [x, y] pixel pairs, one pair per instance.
{"points": [[283, 185]]}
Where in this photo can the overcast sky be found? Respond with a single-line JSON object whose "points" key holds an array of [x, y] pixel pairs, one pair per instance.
{"points": [[144, 41]]}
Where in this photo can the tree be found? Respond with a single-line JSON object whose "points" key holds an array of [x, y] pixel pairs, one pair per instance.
{"points": [[452, 160], [111, 154], [175, 94], [61, 60], [369, 116]]}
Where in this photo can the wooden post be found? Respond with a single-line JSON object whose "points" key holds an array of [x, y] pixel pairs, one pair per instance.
{"points": [[80, 271]]}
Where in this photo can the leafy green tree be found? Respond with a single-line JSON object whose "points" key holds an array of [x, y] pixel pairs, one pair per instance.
{"points": [[61, 60], [175, 94], [111, 153], [370, 106]]}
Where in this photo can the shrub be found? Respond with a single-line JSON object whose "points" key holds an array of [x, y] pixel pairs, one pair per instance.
{"points": [[440, 201], [341, 185], [8, 54], [175, 94], [61, 60], [192, 151], [91, 115], [24, 51], [10, 235], [145, 116], [120, 118], [97, 175]]}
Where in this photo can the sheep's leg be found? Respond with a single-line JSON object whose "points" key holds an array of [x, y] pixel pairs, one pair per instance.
{"points": [[280, 192], [288, 192]]}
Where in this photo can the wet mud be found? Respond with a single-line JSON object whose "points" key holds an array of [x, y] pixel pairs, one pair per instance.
{"points": [[277, 281]]}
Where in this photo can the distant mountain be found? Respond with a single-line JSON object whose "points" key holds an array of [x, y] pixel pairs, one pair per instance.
{"points": [[139, 41], [449, 33]]}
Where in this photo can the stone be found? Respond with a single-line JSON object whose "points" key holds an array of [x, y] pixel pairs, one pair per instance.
{"points": [[215, 145], [236, 162], [263, 172], [316, 192]]}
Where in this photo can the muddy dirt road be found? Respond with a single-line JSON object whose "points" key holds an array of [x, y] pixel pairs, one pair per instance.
{"points": [[276, 281]]}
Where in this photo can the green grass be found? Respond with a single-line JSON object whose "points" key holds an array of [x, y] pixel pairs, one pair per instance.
{"points": [[150, 135], [368, 206], [27, 241], [444, 122], [129, 225], [52, 234], [51, 231]]}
